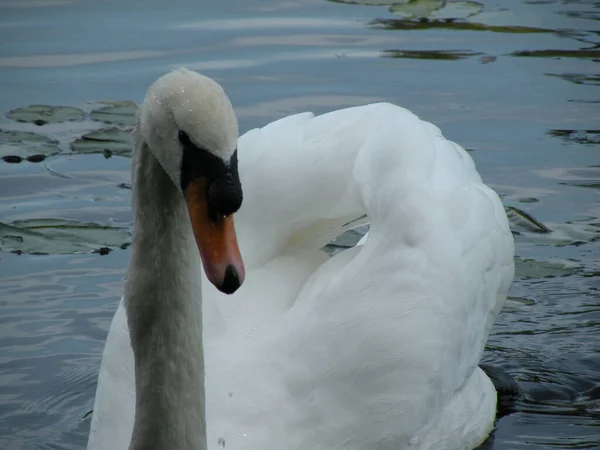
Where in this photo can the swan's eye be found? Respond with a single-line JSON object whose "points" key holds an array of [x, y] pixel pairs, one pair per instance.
{"points": [[184, 138]]}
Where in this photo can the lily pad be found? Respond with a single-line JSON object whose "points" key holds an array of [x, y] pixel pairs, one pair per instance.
{"points": [[107, 140], [531, 268], [436, 9], [521, 221], [579, 78], [565, 234], [559, 53], [411, 24], [586, 137], [117, 112], [58, 236], [416, 8], [447, 55], [367, 2], [43, 114], [18, 145]]}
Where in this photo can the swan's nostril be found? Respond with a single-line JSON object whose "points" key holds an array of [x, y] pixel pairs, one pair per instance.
{"points": [[231, 280]]}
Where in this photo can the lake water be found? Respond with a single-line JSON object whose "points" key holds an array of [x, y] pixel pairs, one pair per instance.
{"points": [[515, 82]]}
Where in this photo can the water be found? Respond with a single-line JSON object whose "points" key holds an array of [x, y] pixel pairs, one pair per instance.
{"points": [[525, 100]]}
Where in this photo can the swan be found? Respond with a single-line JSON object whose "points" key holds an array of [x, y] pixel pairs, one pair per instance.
{"points": [[376, 347]]}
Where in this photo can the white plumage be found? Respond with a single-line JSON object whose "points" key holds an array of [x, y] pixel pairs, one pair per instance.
{"points": [[375, 348]]}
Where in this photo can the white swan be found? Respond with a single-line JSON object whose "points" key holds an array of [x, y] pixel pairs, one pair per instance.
{"points": [[375, 348]]}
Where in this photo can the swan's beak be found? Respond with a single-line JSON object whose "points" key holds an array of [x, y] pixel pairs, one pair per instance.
{"points": [[216, 240]]}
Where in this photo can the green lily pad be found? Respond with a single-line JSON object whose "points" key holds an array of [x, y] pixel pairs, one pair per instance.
{"points": [[18, 145], [515, 304], [436, 9], [416, 8], [411, 24], [447, 55], [367, 2], [557, 53], [578, 78], [107, 141], [522, 221], [565, 234], [117, 112], [58, 236], [586, 137], [458, 10], [43, 114], [531, 268]]}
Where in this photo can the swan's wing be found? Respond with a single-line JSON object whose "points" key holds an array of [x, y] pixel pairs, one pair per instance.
{"points": [[404, 321], [387, 336]]}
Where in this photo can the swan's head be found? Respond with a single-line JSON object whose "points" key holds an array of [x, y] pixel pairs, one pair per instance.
{"points": [[188, 123]]}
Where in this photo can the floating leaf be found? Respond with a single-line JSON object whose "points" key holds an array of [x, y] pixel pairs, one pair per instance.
{"points": [[117, 112], [436, 9], [521, 221], [531, 268], [585, 184], [57, 236], [18, 145], [528, 200], [458, 10], [416, 8], [579, 78], [367, 2], [591, 137], [407, 24], [514, 304], [43, 114], [556, 53], [114, 140], [448, 55], [563, 234]]}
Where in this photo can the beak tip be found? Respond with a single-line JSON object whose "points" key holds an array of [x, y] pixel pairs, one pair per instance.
{"points": [[231, 281]]}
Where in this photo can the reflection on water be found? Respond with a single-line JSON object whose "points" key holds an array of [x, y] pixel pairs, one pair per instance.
{"points": [[516, 85]]}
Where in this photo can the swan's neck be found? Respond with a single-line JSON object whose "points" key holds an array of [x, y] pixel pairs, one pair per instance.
{"points": [[164, 313]]}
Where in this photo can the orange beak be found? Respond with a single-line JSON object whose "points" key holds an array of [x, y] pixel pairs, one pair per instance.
{"points": [[216, 240]]}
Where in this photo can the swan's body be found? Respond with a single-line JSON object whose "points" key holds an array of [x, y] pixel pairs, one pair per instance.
{"points": [[375, 348]]}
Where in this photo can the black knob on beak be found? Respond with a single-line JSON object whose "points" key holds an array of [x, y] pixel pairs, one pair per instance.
{"points": [[224, 196]]}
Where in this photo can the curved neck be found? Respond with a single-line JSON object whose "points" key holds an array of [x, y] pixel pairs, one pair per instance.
{"points": [[164, 313]]}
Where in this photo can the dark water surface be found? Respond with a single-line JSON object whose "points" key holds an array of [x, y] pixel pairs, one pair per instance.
{"points": [[516, 83]]}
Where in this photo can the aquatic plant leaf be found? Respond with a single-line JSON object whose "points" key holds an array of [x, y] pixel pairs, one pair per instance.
{"points": [[116, 112], [531, 268], [106, 140], [436, 9], [586, 137], [367, 2], [43, 114], [521, 221], [447, 55], [58, 236], [563, 234], [557, 53], [458, 10], [528, 229], [15, 145], [409, 24], [416, 8], [578, 78]]}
